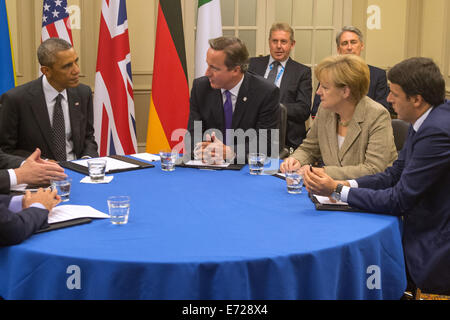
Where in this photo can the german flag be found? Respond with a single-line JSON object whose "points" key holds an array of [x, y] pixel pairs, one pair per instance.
{"points": [[169, 104]]}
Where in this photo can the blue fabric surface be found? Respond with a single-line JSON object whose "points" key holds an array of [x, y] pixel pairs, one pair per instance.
{"points": [[184, 240]]}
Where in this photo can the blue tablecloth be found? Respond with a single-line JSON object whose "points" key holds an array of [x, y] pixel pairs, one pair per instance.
{"points": [[201, 234]]}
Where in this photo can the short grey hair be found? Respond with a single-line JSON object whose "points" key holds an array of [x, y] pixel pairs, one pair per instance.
{"points": [[48, 49], [349, 29]]}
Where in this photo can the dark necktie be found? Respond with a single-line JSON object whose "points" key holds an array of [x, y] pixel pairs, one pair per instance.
{"points": [[59, 131], [273, 73], [228, 113]]}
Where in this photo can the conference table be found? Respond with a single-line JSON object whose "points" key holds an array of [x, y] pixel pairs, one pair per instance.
{"points": [[208, 234]]}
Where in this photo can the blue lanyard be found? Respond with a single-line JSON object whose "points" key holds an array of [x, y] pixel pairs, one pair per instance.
{"points": [[279, 72]]}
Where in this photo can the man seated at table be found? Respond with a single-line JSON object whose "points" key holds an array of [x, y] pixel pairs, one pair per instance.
{"points": [[54, 112], [292, 77], [350, 41], [33, 170], [21, 216], [416, 186], [229, 98]]}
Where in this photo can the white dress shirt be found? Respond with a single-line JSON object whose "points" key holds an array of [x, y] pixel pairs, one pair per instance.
{"points": [[50, 94], [280, 72]]}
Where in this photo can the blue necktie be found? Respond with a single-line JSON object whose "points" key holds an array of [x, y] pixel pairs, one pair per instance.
{"points": [[228, 113]]}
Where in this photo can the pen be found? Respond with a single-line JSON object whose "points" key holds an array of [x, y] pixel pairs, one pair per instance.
{"points": [[310, 167]]}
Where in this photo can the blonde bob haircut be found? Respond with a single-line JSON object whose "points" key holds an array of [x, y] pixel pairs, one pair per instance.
{"points": [[346, 70]]}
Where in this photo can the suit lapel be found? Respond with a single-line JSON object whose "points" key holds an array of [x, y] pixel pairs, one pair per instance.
{"points": [[241, 102], [331, 129], [261, 65], [286, 77], [354, 128], [40, 111]]}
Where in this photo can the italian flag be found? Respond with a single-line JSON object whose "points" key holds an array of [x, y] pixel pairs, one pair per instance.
{"points": [[209, 26]]}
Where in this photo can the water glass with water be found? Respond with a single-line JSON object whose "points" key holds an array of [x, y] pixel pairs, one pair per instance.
{"points": [[294, 182], [256, 163], [97, 169], [168, 160], [62, 188], [119, 209]]}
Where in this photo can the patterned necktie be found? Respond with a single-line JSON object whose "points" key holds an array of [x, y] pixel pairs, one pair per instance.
{"points": [[273, 72], [59, 131], [228, 113]]}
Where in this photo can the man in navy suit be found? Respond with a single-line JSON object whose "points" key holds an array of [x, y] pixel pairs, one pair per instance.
{"points": [[417, 185], [293, 79], [350, 41], [21, 216], [28, 111], [232, 111]]}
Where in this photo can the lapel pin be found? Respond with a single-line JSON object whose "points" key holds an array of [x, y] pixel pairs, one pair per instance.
{"points": [[245, 99], [77, 104]]}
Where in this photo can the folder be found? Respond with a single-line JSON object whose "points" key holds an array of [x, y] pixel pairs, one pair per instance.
{"points": [[84, 169], [63, 224], [330, 206]]}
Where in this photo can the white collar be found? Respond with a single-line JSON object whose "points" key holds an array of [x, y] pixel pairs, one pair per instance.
{"points": [[283, 63], [418, 123], [235, 90], [50, 92]]}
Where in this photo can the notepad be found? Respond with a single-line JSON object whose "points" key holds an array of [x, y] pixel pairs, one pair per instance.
{"points": [[70, 212]]}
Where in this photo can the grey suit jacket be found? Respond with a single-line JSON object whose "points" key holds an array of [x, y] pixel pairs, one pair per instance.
{"points": [[295, 94], [368, 147], [26, 124]]}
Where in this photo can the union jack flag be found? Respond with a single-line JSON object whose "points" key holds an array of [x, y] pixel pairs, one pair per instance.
{"points": [[114, 118], [55, 20]]}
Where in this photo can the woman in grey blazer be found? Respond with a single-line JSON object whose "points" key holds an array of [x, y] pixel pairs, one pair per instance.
{"points": [[351, 134]]}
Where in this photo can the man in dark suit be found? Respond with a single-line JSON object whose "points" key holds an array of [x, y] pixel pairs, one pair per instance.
{"points": [[241, 108], [21, 216], [350, 41], [293, 79], [53, 113], [417, 185], [33, 170]]}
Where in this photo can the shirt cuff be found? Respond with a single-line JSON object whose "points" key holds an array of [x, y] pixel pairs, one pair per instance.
{"points": [[353, 183], [15, 205], [12, 178], [345, 190]]}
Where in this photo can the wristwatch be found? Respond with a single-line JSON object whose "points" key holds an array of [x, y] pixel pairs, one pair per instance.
{"points": [[336, 195]]}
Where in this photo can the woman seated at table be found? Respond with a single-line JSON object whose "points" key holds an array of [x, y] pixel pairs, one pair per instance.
{"points": [[351, 134]]}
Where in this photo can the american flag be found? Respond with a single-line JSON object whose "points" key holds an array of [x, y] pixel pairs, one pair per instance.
{"points": [[114, 119], [55, 20]]}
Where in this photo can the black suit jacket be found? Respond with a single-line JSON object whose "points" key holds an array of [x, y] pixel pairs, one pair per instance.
{"points": [[16, 227], [417, 187], [26, 124], [295, 94], [378, 90], [7, 162], [257, 107]]}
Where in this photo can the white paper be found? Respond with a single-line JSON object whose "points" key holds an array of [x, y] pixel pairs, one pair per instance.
{"points": [[111, 164], [146, 156], [200, 163], [326, 200], [87, 179], [69, 212]]}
